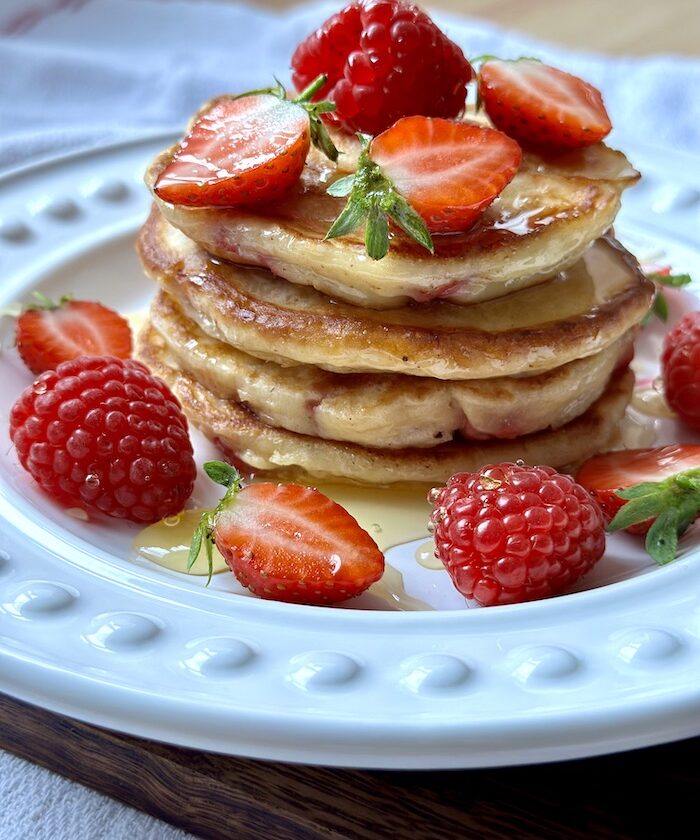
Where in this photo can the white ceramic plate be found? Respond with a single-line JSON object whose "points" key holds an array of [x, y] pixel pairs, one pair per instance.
{"points": [[89, 631]]}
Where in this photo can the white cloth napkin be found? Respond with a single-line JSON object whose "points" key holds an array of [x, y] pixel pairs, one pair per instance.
{"points": [[93, 71], [80, 73]]}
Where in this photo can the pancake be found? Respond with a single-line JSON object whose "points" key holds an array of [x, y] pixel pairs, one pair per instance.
{"points": [[384, 410], [542, 223], [287, 454], [578, 313]]}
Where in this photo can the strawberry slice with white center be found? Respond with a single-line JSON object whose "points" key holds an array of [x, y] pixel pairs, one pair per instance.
{"points": [[427, 175], [286, 542], [246, 150], [652, 491], [49, 333], [542, 107], [449, 171]]}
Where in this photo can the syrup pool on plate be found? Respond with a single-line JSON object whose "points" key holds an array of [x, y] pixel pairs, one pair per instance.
{"points": [[392, 516]]}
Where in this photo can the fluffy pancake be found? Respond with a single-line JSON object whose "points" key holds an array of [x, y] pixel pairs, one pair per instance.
{"points": [[263, 447], [383, 410], [541, 223], [576, 314]]}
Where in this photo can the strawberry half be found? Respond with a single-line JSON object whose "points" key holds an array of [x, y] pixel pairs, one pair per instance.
{"points": [[286, 542], [427, 175], [49, 333], [246, 150], [540, 106], [652, 491]]}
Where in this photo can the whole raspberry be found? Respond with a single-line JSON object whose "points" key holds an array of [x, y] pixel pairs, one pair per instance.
{"points": [[680, 368], [513, 533], [384, 60], [103, 434]]}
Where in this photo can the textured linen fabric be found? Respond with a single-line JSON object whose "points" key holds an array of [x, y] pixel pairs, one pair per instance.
{"points": [[81, 73], [39, 805]]}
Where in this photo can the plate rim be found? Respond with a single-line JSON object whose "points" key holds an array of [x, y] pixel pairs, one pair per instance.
{"points": [[685, 703]]}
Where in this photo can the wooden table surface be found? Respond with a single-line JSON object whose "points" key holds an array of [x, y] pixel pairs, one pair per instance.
{"points": [[623, 797]]}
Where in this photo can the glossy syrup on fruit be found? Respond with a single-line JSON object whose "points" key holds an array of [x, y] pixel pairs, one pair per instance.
{"points": [[392, 516]]}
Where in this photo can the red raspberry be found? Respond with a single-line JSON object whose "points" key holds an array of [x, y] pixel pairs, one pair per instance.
{"points": [[384, 60], [680, 368], [103, 434], [513, 533]]}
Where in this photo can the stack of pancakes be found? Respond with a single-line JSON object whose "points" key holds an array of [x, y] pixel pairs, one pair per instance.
{"points": [[303, 356]]}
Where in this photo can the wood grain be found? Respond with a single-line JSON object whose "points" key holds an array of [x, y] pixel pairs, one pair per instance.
{"points": [[622, 797]]}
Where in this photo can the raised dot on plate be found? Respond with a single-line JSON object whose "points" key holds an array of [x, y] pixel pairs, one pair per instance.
{"points": [[122, 632], [40, 599], [434, 673], [322, 670], [13, 230], [544, 663], [675, 198], [647, 646], [61, 209], [111, 190], [218, 657]]}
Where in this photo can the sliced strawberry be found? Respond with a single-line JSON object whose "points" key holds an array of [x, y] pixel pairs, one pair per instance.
{"points": [[542, 107], [246, 150], [288, 543], [48, 333], [449, 171], [427, 175], [647, 490]]}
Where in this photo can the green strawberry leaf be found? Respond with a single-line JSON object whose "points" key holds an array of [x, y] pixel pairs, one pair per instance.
{"points": [[638, 490], [350, 218], [209, 548], [662, 538], [638, 510], [673, 504], [232, 480], [43, 302], [341, 187], [660, 306], [373, 199], [376, 233], [411, 223], [223, 473], [320, 137], [675, 281], [196, 544]]}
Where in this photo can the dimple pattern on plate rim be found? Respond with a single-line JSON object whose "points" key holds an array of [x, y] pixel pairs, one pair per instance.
{"points": [[575, 676]]}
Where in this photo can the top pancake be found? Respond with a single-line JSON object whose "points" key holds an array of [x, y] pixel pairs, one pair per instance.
{"points": [[542, 223], [576, 314]]}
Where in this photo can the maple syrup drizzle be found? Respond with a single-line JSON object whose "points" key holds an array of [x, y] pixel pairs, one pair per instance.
{"points": [[392, 516], [425, 556]]}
